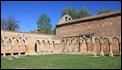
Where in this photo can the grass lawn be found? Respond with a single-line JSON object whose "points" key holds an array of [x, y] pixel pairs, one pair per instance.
{"points": [[61, 61]]}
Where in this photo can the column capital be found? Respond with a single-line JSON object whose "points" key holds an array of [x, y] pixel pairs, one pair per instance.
{"points": [[110, 39], [101, 40]]}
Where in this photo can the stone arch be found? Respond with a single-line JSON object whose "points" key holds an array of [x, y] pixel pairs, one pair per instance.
{"points": [[5, 38], [3, 48], [63, 45], [16, 46], [23, 42], [68, 45], [42, 46], [48, 46], [37, 46], [38, 41], [76, 45], [2, 42], [106, 47], [84, 45], [22, 47], [8, 42], [52, 46], [11, 37], [97, 46], [115, 45], [19, 37], [71, 45], [8, 45]]}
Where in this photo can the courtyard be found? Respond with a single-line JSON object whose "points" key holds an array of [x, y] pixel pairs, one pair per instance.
{"points": [[61, 61]]}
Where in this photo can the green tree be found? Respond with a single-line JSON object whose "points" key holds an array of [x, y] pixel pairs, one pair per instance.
{"points": [[104, 11], [83, 12], [9, 24], [76, 14], [44, 25], [54, 30], [70, 11]]}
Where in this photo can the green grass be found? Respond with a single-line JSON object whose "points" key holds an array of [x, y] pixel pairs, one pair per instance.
{"points": [[61, 61]]}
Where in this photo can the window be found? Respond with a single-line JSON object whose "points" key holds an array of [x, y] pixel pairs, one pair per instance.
{"points": [[65, 18], [69, 18]]}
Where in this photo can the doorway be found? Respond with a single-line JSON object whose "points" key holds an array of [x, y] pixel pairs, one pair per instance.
{"points": [[35, 47]]}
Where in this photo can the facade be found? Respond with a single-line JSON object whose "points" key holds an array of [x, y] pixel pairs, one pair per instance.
{"points": [[96, 35]]}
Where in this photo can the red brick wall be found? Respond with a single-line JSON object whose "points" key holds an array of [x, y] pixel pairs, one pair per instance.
{"points": [[105, 27]]}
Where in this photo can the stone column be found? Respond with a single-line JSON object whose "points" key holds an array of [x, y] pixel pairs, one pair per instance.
{"points": [[101, 46], [110, 53], [120, 49], [12, 54], [110, 45], [120, 46], [80, 46], [12, 50], [94, 46], [4, 54]]}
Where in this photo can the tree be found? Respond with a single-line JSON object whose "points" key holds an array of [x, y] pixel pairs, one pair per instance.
{"points": [[84, 12], [9, 24], [76, 14], [43, 24], [54, 30], [70, 11], [104, 11]]}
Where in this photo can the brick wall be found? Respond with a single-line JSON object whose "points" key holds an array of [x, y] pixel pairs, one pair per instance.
{"points": [[105, 25]]}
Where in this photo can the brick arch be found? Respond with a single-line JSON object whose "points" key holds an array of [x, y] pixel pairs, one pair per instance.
{"points": [[37, 45], [42, 46], [97, 46], [16, 46], [106, 47], [115, 45]]}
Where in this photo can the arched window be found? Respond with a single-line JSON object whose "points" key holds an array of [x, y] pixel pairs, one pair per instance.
{"points": [[69, 18], [65, 18]]}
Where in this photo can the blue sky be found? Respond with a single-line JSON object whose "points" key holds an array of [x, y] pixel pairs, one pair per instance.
{"points": [[28, 12]]}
